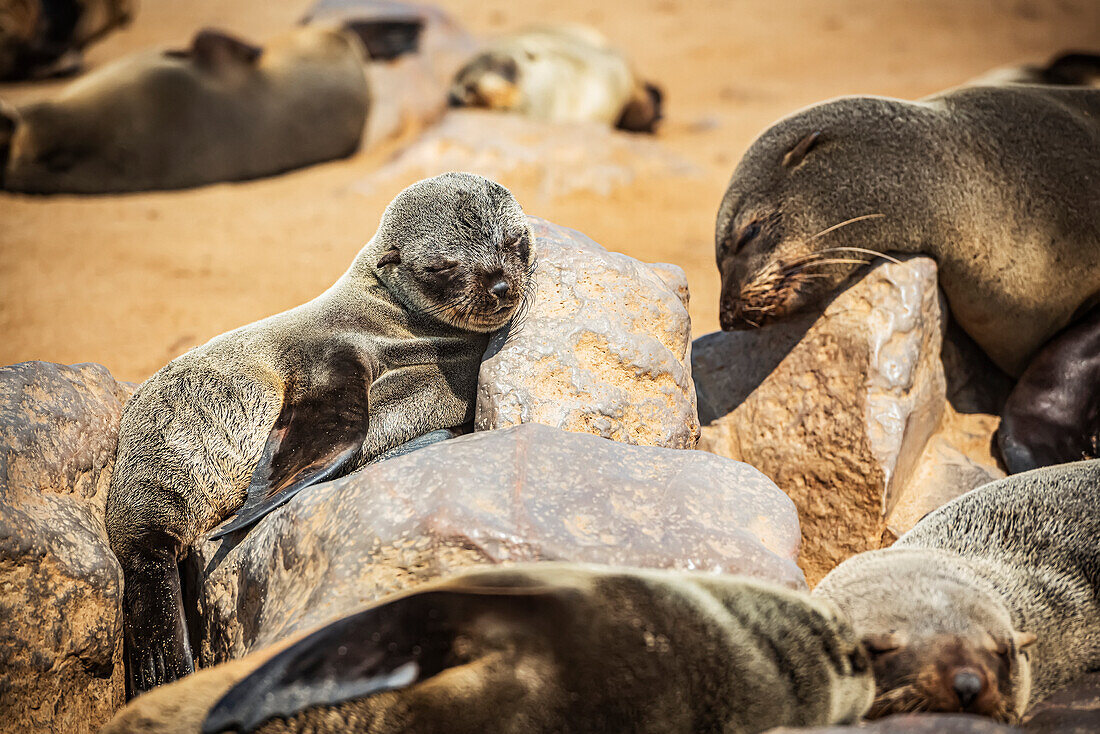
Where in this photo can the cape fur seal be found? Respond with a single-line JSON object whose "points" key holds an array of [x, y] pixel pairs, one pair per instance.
{"points": [[559, 74], [989, 603], [994, 183], [546, 647], [39, 38], [220, 110], [390, 352]]}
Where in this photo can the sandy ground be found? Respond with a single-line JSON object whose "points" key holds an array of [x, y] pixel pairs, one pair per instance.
{"points": [[131, 281]]}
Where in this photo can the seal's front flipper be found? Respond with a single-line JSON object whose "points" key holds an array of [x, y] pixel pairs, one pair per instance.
{"points": [[317, 436], [157, 650], [386, 647], [1052, 415], [385, 40]]}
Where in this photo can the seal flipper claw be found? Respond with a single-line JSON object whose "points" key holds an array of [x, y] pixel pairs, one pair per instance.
{"points": [[383, 648], [318, 435]]}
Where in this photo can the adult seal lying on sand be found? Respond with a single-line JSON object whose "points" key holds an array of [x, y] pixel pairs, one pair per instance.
{"points": [[39, 38], [542, 648], [997, 184], [387, 354], [220, 110], [989, 603], [559, 74]]}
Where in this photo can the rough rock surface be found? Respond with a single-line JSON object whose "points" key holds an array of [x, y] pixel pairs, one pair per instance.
{"points": [[60, 585], [564, 159], [876, 410], [1073, 710], [835, 409], [520, 494], [914, 724], [604, 348]]}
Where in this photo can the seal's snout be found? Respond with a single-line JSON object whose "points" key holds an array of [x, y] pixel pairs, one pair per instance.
{"points": [[968, 685], [500, 288]]}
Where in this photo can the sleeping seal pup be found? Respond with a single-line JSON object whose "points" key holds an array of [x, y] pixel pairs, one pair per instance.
{"points": [[542, 648], [996, 183], [989, 603], [560, 73], [238, 425], [220, 110]]}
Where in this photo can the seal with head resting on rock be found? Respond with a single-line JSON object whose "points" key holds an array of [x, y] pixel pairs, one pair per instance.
{"points": [[540, 648], [989, 603], [560, 73], [996, 183], [219, 110], [238, 425]]}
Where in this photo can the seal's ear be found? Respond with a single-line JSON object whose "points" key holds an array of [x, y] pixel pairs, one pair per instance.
{"points": [[796, 154], [386, 647], [214, 50], [643, 111], [317, 436], [392, 256], [883, 642], [385, 40], [1023, 639]]}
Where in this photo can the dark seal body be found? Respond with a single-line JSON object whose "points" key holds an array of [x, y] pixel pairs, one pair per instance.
{"points": [[989, 603], [997, 184], [389, 353], [544, 648]]}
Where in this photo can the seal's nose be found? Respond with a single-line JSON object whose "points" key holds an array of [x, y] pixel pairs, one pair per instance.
{"points": [[968, 685], [500, 288]]}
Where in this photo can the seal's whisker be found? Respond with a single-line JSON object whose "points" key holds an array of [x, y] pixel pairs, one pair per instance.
{"points": [[845, 223], [865, 251]]}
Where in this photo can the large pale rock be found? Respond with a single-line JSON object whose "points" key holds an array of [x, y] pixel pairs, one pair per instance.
{"points": [[835, 410], [520, 494], [605, 348], [60, 585]]}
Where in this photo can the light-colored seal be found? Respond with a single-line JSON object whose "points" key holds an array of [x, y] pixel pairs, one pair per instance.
{"points": [[220, 110], [387, 354], [989, 603], [562, 73], [40, 38], [542, 648]]}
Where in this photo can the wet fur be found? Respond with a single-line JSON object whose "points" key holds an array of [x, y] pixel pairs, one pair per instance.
{"points": [[406, 342], [559, 74], [548, 647], [969, 585], [989, 181]]}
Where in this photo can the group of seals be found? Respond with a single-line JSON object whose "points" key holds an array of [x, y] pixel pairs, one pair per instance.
{"points": [[39, 38], [560, 73], [220, 110], [540, 648], [989, 603], [390, 352], [996, 183]]}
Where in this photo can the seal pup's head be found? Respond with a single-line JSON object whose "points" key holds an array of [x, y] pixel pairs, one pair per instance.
{"points": [[940, 639], [816, 198], [490, 80], [457, 247]]}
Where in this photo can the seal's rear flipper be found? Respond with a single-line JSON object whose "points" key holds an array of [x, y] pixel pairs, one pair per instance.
{"points": [[213, 50], [1052, 415], [385, 40], [644, 111], [157, 649], [383, 648], [317, 436]]}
